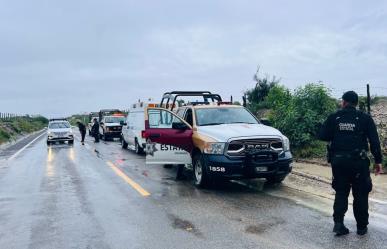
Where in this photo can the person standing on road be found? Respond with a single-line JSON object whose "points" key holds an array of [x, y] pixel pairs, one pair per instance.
{"points": [[95, 130], [349, 131], [82, 130]]}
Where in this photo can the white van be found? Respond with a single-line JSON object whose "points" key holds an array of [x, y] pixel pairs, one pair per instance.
{"points": [[133, 128]]}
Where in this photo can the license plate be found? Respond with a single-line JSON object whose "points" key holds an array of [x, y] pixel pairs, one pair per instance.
{"points": [[260, 169]]}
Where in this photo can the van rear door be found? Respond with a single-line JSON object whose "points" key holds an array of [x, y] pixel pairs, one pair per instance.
{"points": [[169, 138]]}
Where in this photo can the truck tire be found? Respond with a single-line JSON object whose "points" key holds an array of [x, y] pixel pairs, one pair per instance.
{"points": [[138, 149], [124, 144], [201, 176]]}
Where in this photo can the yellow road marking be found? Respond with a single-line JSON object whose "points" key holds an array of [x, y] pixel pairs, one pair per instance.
{"points": [[126, 178]]}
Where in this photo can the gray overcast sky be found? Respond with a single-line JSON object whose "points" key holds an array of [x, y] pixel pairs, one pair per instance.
{"points": [[63, 57]]}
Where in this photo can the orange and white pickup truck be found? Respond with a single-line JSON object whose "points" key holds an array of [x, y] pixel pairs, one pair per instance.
{"points": [[216, 139]]}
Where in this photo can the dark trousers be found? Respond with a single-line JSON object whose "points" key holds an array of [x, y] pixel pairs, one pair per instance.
{"points": [[83, 134], [350, 173], [96, 137]]}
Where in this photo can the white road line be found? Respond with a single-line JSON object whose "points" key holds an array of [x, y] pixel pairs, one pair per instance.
{"points": [[378, 201], [25, 147]]}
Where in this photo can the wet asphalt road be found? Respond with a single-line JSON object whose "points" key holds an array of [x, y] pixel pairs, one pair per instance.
{"points": [[100, 196]]}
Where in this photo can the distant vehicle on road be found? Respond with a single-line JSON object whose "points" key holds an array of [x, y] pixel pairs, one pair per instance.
{"points": [[59, 131], [134, 127], [111, 122], [218, 140]]}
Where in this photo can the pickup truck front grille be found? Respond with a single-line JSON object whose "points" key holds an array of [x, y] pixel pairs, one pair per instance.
{"points": [[239, 147]]}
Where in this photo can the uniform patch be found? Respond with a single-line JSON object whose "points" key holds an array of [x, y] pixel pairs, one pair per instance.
{"points": [[347, 127]]}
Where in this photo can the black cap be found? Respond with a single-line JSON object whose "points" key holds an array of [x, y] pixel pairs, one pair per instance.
{"points": [[351, 97]]}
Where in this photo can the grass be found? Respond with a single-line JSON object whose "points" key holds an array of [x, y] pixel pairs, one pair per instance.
{"points": [[317, 149], [12, 128]]}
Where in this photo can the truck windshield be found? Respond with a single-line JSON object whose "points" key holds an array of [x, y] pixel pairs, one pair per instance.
{"points": [[59, 125], [114, 119], [218, 116]]}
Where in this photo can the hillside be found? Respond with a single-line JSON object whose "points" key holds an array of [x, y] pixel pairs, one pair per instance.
{"points": [[10, 129]]}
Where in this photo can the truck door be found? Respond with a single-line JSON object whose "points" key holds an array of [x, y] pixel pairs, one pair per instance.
{"points": [[169, 138]]}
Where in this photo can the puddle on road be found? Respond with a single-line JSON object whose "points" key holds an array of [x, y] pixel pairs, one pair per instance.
{"points": [[185, 225], [262, 228]]}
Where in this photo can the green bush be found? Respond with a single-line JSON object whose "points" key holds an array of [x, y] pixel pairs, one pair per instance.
{"points": [[299, 116], [4, 136]]}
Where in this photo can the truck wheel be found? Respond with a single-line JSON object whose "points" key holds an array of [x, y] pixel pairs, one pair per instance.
{"points": [[124, 144], [274, 180], [200, 168], [138, 149]]}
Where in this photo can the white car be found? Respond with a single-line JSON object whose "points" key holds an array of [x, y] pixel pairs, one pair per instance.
{"points": [[59, 131], [134, 127]]}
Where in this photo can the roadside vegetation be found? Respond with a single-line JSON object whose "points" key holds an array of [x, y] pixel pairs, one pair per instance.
{"points": [[81, 117], [299, 113], [10, 129]]}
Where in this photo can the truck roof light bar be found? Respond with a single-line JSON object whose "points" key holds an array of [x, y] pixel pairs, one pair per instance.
{"points": [[58, 119], [207, 95]]}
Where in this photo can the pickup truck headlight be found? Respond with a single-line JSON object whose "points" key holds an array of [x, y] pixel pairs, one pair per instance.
{"points": [[214, 148], [286, 144]]}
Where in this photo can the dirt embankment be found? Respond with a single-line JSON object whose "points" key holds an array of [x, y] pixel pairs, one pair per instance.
{"points": [[379, 113], [11, 129]]}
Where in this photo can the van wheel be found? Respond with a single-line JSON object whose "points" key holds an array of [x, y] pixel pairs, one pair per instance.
{"points": [[48, 143], [138, 149], [71, 142], [200, 170], [123, 143]]}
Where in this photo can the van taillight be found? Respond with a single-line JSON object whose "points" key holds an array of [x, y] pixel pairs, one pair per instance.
{"points": [[143, 134]]}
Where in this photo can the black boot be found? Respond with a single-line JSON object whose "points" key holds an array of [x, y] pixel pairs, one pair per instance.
{"points": [[362, 230], [340, 229]]}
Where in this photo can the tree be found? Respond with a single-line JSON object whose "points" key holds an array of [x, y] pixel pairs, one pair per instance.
{"points": [[256, 97]]}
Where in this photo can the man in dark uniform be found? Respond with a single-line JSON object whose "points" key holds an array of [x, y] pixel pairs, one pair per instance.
{"points": [[82, 130], [95, 130], [349, 131]]}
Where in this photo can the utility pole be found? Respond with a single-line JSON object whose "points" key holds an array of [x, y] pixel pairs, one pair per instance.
{"points": [[368, 99]]}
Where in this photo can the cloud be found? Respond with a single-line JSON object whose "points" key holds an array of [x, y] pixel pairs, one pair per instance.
{"points": [[80, 56]]}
